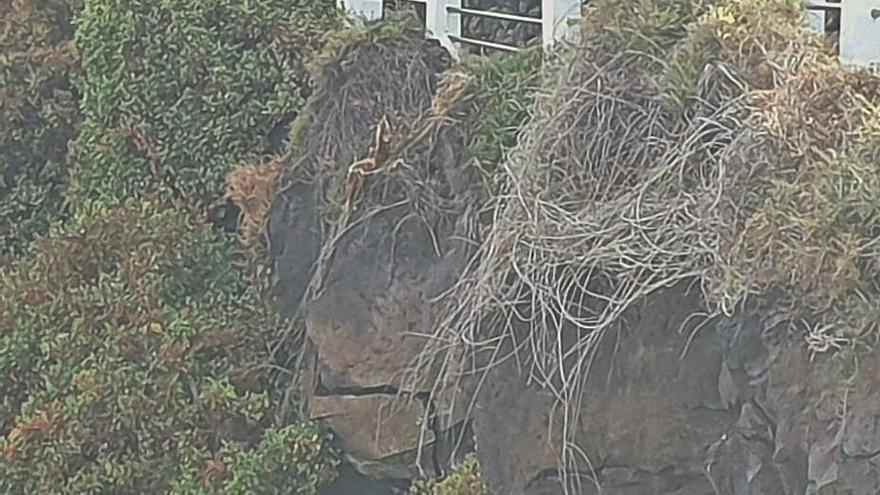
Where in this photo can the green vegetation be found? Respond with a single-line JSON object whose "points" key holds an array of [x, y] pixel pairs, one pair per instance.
{"points": [[38, 115], [679, 142], [292, 460], [816, 233], [132, 354], [399, 30], [504, 89], [810, 242], [465, 479], [176, 93], [641, 25]]}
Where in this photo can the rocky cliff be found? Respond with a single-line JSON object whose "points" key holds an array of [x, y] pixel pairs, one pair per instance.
{"points": [[586, 310]]}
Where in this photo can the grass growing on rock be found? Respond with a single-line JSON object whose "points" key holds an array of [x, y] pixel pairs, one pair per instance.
{"points": [[387, 71], [384, 70], [381, 73], [448, 125], [677, 142]]}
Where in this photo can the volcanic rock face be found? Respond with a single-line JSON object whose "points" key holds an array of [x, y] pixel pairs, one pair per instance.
{"points": [[731, 407], [672, 405], [364, 328], [363, 290]]}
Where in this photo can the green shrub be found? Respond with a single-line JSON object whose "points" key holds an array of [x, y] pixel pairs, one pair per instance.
{"points": [[292, 460], [38, 115], [177, 92], [130, 347], [464, 480], [504, 87]]}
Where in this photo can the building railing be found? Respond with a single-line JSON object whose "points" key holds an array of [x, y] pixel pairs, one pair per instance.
{"points": [[857, 23], [443, 20]]}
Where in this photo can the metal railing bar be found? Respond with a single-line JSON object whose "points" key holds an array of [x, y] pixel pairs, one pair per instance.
{"points": [[485, 44], [494, 15], [443, 18]]}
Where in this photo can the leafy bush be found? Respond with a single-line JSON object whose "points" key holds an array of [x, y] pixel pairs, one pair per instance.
{"points": [[464, 480], [178, 92], [132, 354], [291, 460], [505, 84], [38, 115]]}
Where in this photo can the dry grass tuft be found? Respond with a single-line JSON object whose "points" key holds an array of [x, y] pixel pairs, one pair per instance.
{"points": [[252, 187], [364, 75], [818, 109]]}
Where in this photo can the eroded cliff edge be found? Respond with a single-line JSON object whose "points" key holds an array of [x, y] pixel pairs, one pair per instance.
{"points": [[560, 310]]}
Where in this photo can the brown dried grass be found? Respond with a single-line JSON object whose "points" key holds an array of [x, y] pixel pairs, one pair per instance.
{"points": [[252, 188]]}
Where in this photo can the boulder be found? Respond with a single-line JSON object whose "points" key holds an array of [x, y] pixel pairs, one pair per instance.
{"points": [[378, 433], [745, 410]]}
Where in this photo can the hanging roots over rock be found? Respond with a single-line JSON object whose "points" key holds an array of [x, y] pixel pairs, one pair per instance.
{"points": [[658, 151]]}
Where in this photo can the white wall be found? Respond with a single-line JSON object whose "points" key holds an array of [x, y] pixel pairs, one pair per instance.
{"points": [[860, 33]]}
